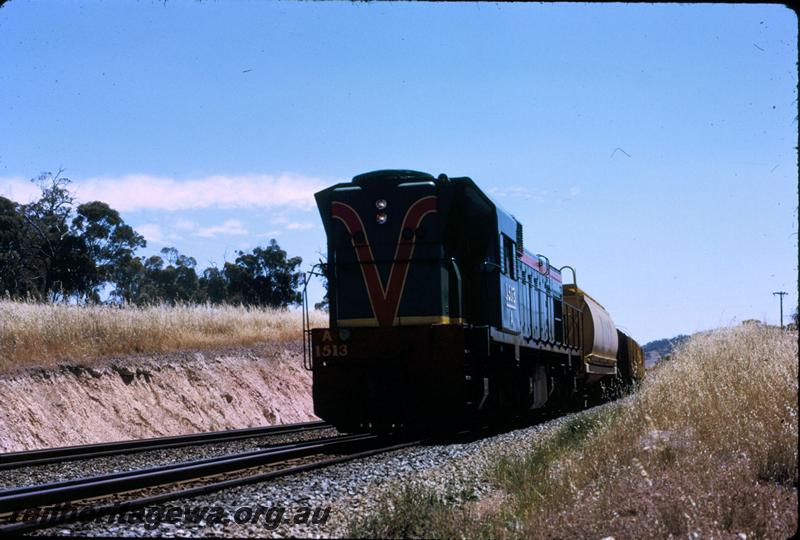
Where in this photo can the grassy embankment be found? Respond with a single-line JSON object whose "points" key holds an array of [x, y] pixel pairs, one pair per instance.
{"points": [[707, 445], [44, 334]]}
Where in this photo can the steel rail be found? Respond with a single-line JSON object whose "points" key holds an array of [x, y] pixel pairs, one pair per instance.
{"points": [[15, 460], [170, 466], [121, 508], [91, 487]]}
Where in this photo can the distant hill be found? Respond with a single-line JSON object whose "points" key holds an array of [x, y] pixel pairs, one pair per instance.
{"points": [[654, 351]]}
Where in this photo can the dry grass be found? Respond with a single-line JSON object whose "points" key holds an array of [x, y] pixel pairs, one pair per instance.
{"points": [[707, 446], [43, 334]]}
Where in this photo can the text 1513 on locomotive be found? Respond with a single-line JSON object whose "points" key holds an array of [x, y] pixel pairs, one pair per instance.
{"points": [[439, 315]]}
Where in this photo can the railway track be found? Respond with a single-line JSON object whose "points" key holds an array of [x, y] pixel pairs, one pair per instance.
{"points": [[15, 460], [124, 491], [113, 493]]}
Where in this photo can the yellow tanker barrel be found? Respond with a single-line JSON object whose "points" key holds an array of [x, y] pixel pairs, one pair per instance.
{"points": [[599, 340]]}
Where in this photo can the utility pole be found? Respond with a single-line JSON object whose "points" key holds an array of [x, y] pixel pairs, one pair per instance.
{"points": [[781, 294]]}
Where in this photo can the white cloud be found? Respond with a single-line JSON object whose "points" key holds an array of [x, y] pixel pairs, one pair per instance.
{"points": [[299, 225], [292, 225], [519, 192], [146, 192], [575, 191], [231, 227], [151, 232], [18, 189], [185, 224], [155, 234]]}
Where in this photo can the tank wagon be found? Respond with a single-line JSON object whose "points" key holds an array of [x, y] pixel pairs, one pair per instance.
{"points": [[440, 315]]}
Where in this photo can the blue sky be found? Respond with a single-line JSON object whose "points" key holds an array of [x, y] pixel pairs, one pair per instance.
{"points": [[209, 126]]}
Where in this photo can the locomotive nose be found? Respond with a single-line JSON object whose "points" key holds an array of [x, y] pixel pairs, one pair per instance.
{"points": [[384, 239]]}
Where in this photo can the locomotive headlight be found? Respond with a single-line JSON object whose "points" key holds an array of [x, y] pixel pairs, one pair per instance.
{"points": [[380, 204], [381, 218]]}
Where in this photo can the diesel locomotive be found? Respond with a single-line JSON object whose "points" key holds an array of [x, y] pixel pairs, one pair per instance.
{"points": [[440, 316]]}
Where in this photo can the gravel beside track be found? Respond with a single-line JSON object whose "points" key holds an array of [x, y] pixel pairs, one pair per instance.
{"points": [[69, 470], [349, 489]]}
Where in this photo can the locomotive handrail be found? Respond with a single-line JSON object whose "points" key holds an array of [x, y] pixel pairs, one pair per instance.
{"points": [[487, 262], [307, 359], [547, 273], [573, 327], [574, 278], [569, 327], [458, 281]]}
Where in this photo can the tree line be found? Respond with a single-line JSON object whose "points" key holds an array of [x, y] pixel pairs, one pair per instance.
{"points": [[54, 250]]}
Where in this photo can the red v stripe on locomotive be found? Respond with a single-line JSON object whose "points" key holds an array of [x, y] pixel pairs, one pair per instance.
{"points": [[384, 300]]}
